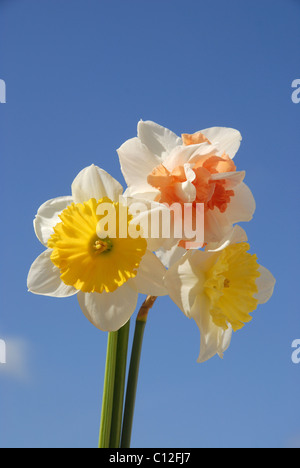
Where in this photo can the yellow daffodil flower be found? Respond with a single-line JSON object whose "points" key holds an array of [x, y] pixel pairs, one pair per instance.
{"points": [[106, 273], [219, 290]]}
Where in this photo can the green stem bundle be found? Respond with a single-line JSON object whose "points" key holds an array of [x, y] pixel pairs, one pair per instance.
{"points": [[114, 382]]}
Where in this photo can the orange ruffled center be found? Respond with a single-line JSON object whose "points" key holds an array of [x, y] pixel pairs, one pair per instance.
{"points": [[212, 193]]}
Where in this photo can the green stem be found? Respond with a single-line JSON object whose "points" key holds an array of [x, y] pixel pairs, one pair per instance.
{"points": [[118, 400], [134, 371], [108, 390]]}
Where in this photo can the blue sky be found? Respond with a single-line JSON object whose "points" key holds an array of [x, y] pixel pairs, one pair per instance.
{"points": [[80, 74]]}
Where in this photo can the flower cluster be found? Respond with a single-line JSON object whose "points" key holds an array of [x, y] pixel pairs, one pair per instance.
{"points": [[216, 282]]}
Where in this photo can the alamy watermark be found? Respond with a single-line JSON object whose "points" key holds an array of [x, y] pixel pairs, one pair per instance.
{"points": [[2, 352], [296, 93], [296, 353], [152, 221], [2, 92]]}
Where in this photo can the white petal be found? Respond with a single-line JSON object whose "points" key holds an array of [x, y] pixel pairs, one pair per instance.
{"points": [[171, 256], [187, 154], [224, 340], [237, 234], [217, 226], [242, 206], [48, 217], [265, 283], [149, 215], [109, 311], [189, 173], [150, 276], [158, 139], [185, 279], [155, 244], [185, 191], [213, 339], [44, 278], [137, 162], [145, 191], [240, 209], [227, 140], [93, 182], [233, 179]]}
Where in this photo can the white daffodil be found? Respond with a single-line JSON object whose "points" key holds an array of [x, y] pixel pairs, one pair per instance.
{"points": [[198, 168], [219, 290], [106, 273]]}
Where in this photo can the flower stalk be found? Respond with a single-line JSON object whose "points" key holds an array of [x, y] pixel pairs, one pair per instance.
{"points": [[134, 371], [108, 390], [119, 386]]}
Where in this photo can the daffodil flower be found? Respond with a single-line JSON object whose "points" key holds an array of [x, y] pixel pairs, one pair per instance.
{"points": [[219, 290], [196, 168], [106, 273]]}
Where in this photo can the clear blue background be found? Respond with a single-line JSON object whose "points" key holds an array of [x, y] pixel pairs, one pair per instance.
{"points": [[80, 74]]}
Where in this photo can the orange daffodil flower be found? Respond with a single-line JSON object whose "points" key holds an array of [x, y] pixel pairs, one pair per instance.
{"points": [[219, 289], [198, 168], [106, 273]]}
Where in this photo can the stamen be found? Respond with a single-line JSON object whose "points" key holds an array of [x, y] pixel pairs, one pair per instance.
{"points": [[101, 246]]}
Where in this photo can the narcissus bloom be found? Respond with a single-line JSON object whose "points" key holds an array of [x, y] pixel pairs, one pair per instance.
{"points": [[197, 168], [106, 273], [219, 290]]}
